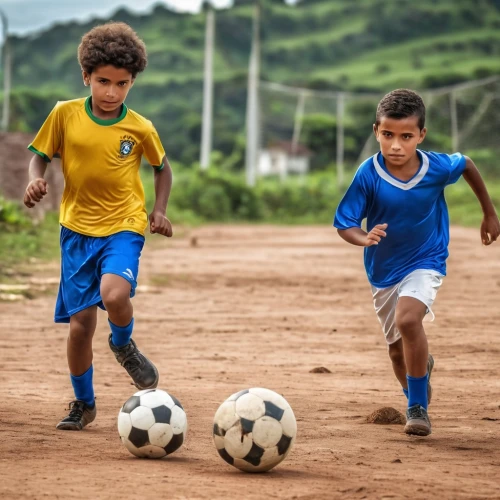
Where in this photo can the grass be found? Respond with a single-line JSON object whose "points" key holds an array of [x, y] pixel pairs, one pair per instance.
{"points": [[463, 205], [19, 246], [300, 42], [400, 60]]}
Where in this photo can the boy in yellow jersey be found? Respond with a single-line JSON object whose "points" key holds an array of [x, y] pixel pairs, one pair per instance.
{"points": [[103, 215]]}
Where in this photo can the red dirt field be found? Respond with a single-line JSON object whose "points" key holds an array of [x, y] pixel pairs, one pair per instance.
{"points": [[224, 308]]}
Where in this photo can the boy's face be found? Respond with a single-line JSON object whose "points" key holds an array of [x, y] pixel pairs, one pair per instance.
{"points": [[399, 139], [109, 86]]}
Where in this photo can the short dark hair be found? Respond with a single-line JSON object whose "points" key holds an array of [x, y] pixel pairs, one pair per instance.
{"points": [[401, 103], [116, 44]]}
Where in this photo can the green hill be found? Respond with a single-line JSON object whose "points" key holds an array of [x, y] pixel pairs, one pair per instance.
{"points": [[362, 45]]}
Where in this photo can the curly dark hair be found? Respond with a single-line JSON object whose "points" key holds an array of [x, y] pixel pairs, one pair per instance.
{"points": [[401, 103], [112, 43]]}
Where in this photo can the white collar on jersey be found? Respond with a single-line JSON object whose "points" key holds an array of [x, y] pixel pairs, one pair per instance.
{"points": [[400, 184]]}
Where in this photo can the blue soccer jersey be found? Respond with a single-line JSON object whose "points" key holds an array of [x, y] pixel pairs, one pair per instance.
{"points": [[415, 211]]}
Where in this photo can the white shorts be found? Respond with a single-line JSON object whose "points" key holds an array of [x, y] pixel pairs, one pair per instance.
{"points": [[422, 284]]}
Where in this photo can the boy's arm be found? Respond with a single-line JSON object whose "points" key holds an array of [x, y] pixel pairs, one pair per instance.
{"points": [[163, 185], [490, 227], [37, 186], [356, 236]]}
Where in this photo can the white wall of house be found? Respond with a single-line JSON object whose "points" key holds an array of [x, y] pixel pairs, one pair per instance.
{"points": [[277, 162]]}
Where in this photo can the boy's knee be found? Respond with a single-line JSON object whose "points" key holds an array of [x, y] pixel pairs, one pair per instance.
{"points": [[114, 298], [396, 353], [80, 336], [408, 321], [83, 318], [82, 326]]}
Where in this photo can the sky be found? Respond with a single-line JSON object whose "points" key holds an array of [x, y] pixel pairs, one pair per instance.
{"points": [[26, 16]]}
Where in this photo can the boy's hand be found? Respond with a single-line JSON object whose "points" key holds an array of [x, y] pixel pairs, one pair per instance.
{"points": [[490, 229], [159, 224], [35, 191], [375, 235]]}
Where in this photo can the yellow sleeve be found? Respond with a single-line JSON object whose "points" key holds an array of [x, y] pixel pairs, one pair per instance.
{"points": [[49, 139], [153, 150]]}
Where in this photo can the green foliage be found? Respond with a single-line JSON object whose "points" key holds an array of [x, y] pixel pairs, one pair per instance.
{"points": [[214, 195], [214, 203], [463, 205], [299, 200], [324, 44], [11, 216], [21, 238], [486, 161], [319, 134]]}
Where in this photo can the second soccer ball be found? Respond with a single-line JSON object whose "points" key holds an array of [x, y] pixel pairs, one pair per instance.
{"points": [[254, 429]]}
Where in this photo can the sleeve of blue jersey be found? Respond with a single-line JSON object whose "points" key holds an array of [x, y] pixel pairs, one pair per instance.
{"points": [[352, 208], [456, 166]]}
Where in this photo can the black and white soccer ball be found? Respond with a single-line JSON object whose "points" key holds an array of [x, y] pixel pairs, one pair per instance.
{"points": [[254, 430], [152, 424]]}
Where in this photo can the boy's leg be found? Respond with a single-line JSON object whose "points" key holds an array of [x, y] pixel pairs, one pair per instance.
{"points": [[79, 351], [398, 363], [385, 301], [115, 294], [79, 346], [410, 313]]}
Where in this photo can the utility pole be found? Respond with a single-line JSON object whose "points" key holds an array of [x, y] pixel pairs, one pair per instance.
{"points": [[340, 140], [7, 64], [454, 121], [208, 88], [252, 119]]}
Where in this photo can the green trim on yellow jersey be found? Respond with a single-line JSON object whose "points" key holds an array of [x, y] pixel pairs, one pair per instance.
{"points": [[46, 159], [100, 121]]}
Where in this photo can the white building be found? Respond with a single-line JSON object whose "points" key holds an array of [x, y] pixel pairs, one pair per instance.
{"points": [[282, 158]]}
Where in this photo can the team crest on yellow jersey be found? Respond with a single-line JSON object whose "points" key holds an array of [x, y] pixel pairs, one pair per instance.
{"points": [[127, 143]]}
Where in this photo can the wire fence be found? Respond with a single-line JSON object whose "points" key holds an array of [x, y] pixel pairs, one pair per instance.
{"points": [[336, 127]]}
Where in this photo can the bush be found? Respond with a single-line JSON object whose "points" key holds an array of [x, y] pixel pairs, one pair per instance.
{"points": [[20, 239], [213, 195], [214, 203], [11, 216]]}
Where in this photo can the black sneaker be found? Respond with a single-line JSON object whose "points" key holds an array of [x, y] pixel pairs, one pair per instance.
{"points": [[80, 414], [417, 421], [143, 372], [430, 366]]}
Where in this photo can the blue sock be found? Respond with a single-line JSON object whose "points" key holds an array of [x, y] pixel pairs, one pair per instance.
{"points": [[406, 392], [417, 389], [120, 335], [82, 385]]}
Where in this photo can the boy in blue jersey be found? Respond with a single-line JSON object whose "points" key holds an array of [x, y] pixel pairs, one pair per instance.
{"points": [[103, 212], [400, 191]]}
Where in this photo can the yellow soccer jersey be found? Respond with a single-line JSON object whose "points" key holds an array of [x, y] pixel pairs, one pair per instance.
{"points": [[103, 192]]}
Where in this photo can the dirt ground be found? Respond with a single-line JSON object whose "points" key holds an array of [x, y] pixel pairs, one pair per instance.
{"points": [[225, 308]]}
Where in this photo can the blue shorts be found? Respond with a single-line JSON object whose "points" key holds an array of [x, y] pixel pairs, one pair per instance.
{"points": [[84, 259]]}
